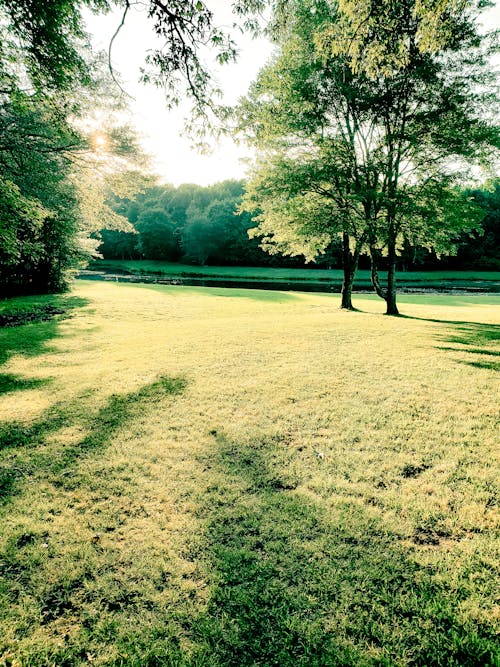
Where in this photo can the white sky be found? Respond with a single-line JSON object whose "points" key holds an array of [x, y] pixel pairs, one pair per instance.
{"points": [[161, 129]]}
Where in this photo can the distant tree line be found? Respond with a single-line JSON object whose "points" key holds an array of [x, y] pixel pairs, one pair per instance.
{"points": [[191, 224], [481, 249], [203, 225], [477, 250]]}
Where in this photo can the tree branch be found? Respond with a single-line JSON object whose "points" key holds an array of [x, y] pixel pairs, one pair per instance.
{"points": [[110, 47]]}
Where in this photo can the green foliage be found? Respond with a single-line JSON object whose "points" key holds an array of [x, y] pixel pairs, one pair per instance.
{"points": [[21, 221], [53, 38], [380, 110], [55, 179], [213, 232], [118, 245], [38, 206], [384, 38], [51, 35], [436, 214], [44, 52], [199, 224], [482, 248], [156, 235], [297, 210]]}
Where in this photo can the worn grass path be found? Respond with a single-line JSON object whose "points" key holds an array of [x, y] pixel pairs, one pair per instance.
{"points": [[204, 477]]}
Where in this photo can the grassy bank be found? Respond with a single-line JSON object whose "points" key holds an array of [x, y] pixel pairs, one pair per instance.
{"points": [[208, 477], [171, 269]]}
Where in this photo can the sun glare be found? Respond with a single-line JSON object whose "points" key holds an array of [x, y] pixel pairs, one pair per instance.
{"points": [[99, 141]]}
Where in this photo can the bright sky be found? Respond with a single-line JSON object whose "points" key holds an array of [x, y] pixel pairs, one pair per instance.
{"points": [[161, 130]]}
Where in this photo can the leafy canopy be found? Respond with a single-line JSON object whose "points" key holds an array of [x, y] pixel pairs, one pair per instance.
{"points": [[379, 110]]}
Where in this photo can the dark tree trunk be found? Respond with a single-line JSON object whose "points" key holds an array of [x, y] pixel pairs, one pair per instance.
{"points": [[390, 299], [346, 293], [374, 274], [389, 294], [350, 265]]}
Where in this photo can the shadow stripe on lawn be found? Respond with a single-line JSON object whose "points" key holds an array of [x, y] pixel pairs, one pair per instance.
{"points": [[295, 587], [25, 443]]}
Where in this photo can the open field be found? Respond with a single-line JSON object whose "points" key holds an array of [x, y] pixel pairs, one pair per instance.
{"points": [[196, 477], [264, 274]]}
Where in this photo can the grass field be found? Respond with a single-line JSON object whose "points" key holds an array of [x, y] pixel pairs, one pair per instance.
{"points": [[264, 274], [207, 477]]}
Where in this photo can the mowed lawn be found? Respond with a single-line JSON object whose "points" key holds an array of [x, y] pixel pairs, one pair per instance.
{"points": [[209, 477]]}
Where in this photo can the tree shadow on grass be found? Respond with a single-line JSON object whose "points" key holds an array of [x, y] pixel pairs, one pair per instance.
{"points": [[10, 383], [295, 586], [476, 338], [29, 458], [23, 445], [31, 327]]}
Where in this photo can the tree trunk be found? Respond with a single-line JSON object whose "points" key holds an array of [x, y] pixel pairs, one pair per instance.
{"points": [[374, 274], [389, 294], [390, 299], [346, 293], [350, 265]]}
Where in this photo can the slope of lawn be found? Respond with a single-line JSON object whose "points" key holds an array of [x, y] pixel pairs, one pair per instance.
{"points": [[209, 477], [264, 274]]}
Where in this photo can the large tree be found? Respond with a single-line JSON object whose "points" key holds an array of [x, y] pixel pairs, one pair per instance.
{"points": [[434, 113], [383, 141], [310, 118], [35, 142], [53, 171]]}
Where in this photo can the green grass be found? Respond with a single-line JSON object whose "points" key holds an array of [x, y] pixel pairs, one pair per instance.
{"points": [[272, 274], [35, 308], [205, 477]]}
